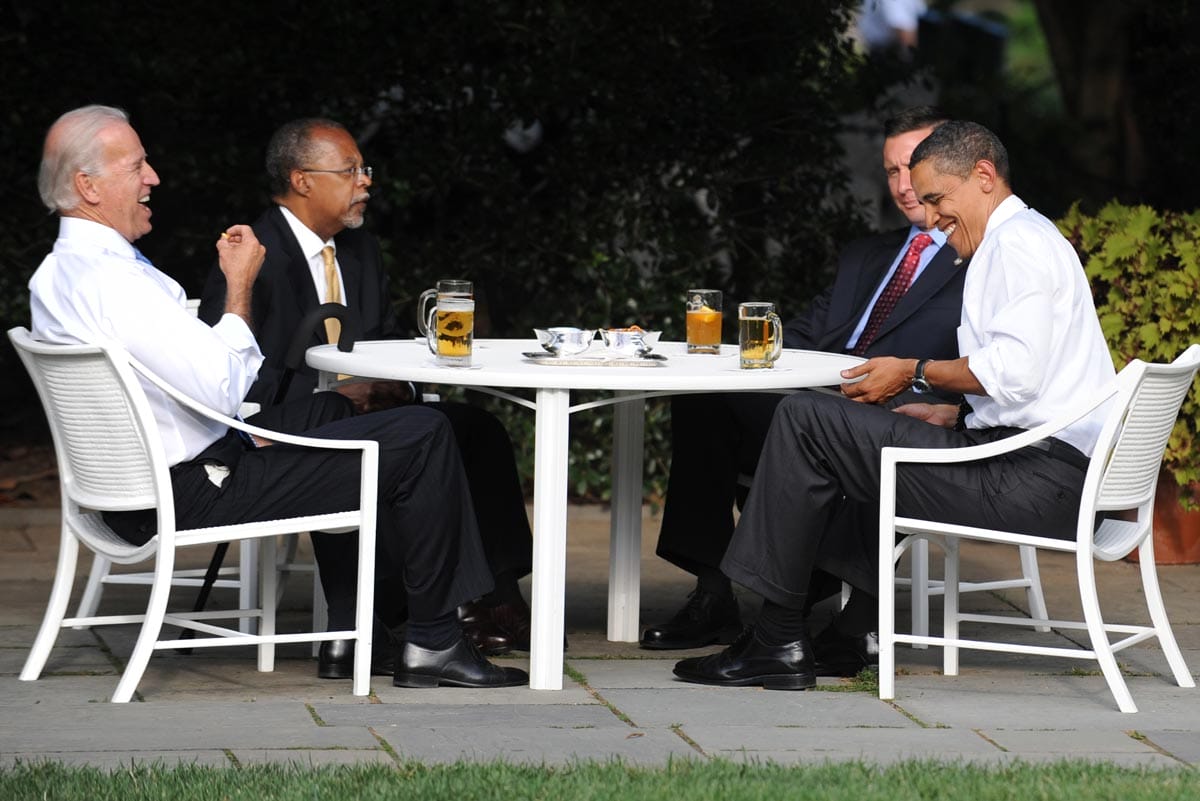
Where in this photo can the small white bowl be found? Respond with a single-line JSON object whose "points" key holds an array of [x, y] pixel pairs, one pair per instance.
{"points": [[629, 342], [565, 340]]}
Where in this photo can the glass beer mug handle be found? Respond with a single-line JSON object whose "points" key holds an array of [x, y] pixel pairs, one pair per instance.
{"points": [[423, 313], [776, 336], [429, 325]]}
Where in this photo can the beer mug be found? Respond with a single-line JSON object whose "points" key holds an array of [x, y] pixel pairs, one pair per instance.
{"points": [[450, 330], [760, 335], [446, 288]]}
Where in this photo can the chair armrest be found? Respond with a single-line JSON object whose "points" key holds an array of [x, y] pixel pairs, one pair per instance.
{"points": [[896, 455], [263, 433]]}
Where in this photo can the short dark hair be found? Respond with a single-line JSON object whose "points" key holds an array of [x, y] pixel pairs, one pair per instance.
{"points": [[291, 148], [955, 147], [914, 118]]}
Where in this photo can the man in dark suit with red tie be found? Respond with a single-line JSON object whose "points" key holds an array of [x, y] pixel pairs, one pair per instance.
{"points": [[896, 294]]}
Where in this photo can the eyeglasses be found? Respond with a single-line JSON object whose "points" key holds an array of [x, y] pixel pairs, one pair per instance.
{"points": [[353, 172]]}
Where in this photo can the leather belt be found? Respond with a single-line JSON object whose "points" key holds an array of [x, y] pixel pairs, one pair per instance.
{"points": [[1060, 450]]}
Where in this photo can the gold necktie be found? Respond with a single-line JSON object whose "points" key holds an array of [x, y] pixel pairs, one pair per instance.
{"points": [[333, 294]]}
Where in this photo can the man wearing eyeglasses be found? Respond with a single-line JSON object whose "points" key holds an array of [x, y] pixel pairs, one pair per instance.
{"points": [[96, 287], [321, 188]]}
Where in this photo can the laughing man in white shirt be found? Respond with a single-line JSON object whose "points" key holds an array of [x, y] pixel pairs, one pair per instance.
{"points": [[1031, 343]]}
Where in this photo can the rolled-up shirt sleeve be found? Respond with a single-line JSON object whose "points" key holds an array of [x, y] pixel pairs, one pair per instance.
{"points": [[1018, 335], [214, 366]]}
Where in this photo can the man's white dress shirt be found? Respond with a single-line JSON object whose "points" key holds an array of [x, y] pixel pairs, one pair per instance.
{"points": [[1029, 327], [93, 289]]}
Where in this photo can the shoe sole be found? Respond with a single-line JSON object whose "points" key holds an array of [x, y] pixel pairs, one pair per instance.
{"points": [[421, 681], [776, 681], [722, 637]]}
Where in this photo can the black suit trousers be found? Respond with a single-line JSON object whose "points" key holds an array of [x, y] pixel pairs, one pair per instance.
{"points": [[491, 469], [823, 452], [714, 439], [425, 528]]}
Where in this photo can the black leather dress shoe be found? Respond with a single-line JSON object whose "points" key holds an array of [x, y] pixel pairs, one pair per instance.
{"points": [[845, 654], [481, 627], [461, 665], [335, 660], [750, 663], [705, 619]]}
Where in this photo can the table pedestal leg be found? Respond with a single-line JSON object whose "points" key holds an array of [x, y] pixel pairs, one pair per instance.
{"points": [[549, 539], [625, 537]]}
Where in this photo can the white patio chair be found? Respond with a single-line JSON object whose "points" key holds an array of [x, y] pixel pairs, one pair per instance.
{"points": [[923, 587], [1123, 475], [242, 577], [111, 458]]}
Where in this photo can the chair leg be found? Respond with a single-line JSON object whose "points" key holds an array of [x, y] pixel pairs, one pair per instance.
{"points": [[364, 611], [248, 582], [919, 560], [887, 624], [1101, 646], [267, 598], [1158, 615], [156, 608], [1033, 593], [90, 602], [950, 599], [56, 608]]}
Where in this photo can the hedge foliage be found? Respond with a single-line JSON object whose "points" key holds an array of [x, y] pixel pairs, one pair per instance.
{"points": [[1144, 266], [583, 163]]}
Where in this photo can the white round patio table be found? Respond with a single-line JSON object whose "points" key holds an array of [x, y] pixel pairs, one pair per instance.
{"points": [[500, 364]]}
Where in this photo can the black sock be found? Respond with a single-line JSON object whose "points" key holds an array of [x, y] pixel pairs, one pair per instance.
{"points": [[714, 582], [779, 625], [436, 635], [507, 591], [859, 616]]}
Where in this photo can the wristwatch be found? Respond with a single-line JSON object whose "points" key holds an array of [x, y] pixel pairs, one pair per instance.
{"points": [[919, 382]]}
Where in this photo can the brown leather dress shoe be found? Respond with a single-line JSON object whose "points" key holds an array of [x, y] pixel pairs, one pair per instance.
{"points": [[481, 628], [514, 621], [751, 663]]}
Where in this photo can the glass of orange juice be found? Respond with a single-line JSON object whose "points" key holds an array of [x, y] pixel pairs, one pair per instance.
{"points": [[704, 321]]}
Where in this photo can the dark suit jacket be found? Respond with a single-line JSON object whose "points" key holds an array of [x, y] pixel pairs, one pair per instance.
{"points": [[924, 323], [284, 293]]}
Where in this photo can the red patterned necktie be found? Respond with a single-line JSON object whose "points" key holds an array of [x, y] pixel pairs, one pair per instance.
{"points": [[895, 289]]}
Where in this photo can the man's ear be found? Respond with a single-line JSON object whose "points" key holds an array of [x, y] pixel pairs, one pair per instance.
{"points": [[986, 172], [85, 186], [300, 183]]}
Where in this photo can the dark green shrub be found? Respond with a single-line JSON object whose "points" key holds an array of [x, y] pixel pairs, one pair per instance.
{"points": [[1145, 271]]}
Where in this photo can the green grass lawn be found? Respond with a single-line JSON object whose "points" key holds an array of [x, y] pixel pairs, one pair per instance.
{"points": [[720, 780]]}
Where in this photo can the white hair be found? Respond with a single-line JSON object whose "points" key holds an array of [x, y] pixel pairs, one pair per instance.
{"points": [[72, 146]]}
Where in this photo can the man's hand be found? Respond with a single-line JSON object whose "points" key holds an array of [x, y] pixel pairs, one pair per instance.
{"points": [[938, 414], [374, 396], [240, 256], [885, 378]]}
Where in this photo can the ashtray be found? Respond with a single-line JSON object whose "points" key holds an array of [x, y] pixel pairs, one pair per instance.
{"points": [[632, 341], [565, 340]]}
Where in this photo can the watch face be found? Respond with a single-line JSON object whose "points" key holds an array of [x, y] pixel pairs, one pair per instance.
{"points": [[919, 383]]}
